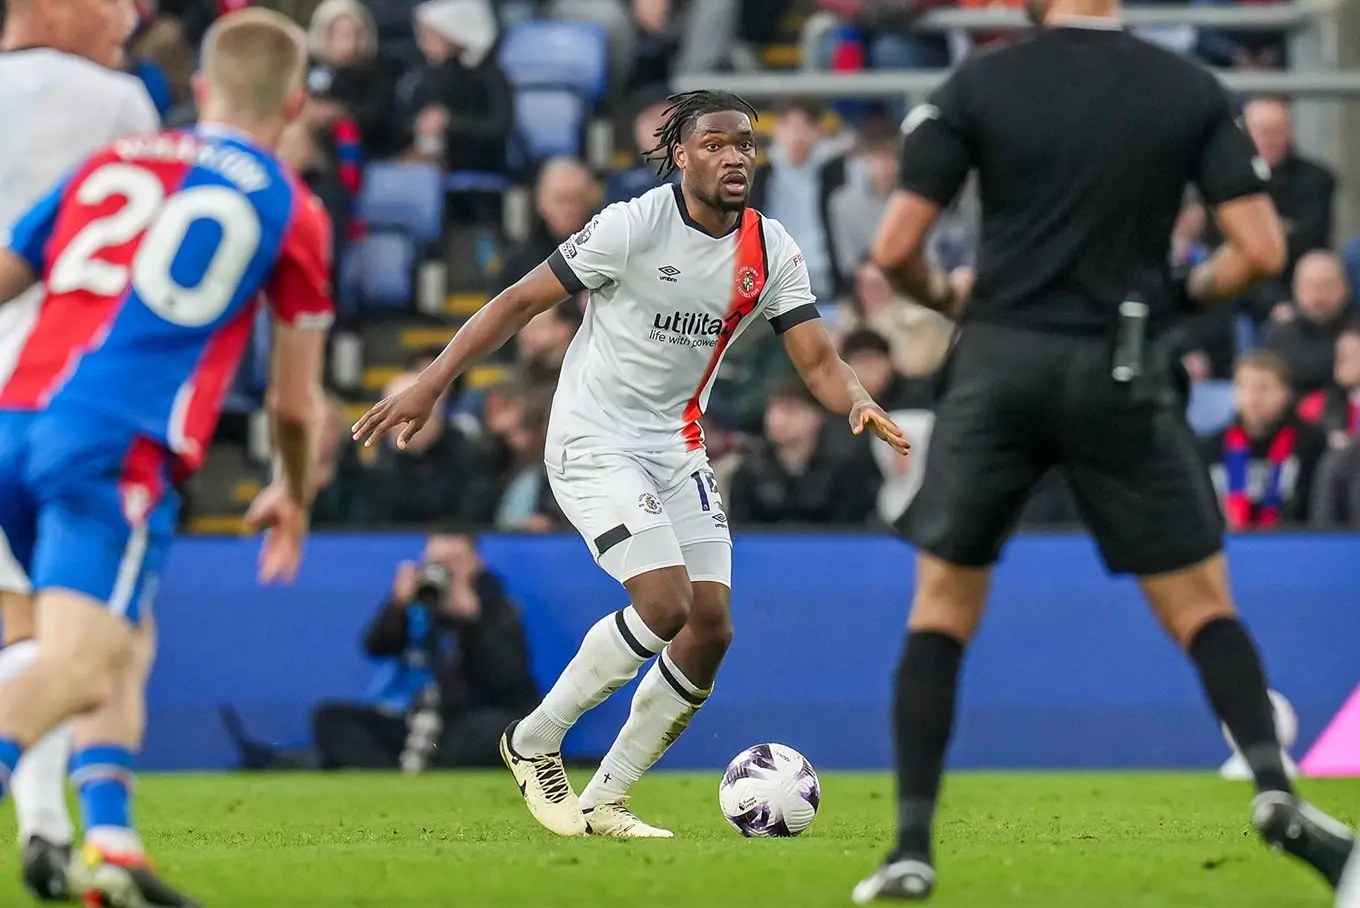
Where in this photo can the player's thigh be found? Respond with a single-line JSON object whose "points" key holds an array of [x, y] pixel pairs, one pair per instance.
{"points": [[612, 501], [1141, 487], [987, 451], [106, 518], [696, 511]]}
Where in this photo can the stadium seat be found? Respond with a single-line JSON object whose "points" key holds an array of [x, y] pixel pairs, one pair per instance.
{"points": [[404, 196], [1211, 406], [1351, 257], [551, 120], [545, 53], [385, 270], [476, 181]]}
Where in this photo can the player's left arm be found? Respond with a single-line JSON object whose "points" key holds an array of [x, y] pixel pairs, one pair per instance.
{"points": [[936, 159], [792, 312]]}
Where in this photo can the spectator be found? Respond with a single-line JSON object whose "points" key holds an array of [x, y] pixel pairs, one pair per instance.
{"points": [[856, 208], [624, 185], [160, 55], [850, 35], [870, 355], [444, 473], [803, 471], [452, 628], [565, 198], [918, 337], [300, 149], [1304, 334], [1336, 411], [542, 343], [1303, 191], [341, 477], [459, 105], [526, 502], [795, 187], [1241, 49], [1263, 464], [343, 41]]}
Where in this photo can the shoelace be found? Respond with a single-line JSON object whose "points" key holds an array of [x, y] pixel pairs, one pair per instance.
{"points": [[552, 778]]}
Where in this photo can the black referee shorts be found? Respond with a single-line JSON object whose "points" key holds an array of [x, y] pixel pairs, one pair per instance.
{"points": [[1014, 403]]}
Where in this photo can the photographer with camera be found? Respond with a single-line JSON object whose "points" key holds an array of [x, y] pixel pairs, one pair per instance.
{"points": [[458, 671]]}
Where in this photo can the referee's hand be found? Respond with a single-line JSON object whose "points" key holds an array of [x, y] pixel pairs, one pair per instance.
{"points": [[869, 415]]}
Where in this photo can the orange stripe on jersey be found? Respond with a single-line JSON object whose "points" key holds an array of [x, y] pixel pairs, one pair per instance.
{"points": [[748, 280]]}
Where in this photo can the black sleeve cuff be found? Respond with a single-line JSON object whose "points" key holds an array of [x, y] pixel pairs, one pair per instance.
{"points": [[804, 313], [562, 271]]}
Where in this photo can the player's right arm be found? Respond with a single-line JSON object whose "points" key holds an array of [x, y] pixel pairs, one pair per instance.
{"points": [[1232, 178], [937, 155], [587, 261]]}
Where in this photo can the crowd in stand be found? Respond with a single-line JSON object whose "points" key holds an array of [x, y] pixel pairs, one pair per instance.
{"points": [[421, 80]]}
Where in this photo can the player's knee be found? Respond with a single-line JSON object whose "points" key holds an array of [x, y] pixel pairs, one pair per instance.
{"points": [[712, 632], [664, 599], [90, 683]]}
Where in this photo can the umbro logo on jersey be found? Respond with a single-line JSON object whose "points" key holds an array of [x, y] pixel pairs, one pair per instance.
{"points": [[669, 273]]}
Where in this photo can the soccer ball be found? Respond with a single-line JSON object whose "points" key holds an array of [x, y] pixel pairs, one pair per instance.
{"points": [[770, 790]]}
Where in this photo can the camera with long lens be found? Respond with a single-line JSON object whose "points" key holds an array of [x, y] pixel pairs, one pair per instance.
{"points": [[425, 721]]}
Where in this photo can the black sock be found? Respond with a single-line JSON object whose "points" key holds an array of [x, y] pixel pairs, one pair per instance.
{"points": [[923, 712], [1230, 669]]}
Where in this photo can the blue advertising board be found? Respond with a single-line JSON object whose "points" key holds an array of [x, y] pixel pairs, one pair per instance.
{"points": [[1070, 669]]}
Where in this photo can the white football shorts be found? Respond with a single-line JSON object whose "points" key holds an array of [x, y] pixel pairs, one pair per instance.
{"points": [[640, 513]]}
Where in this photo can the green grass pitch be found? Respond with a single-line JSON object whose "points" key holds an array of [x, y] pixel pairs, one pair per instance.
{"points": [[455, 840]]}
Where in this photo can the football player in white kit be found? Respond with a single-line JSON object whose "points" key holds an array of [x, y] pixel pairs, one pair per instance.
{"points": [[674, 277], [60, 100]]}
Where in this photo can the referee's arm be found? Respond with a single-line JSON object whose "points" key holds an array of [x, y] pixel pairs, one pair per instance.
{"points": [[937, 155], [1232, 178]]}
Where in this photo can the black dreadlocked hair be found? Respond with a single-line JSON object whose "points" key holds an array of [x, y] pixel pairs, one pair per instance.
{"points": [[682, 112]]}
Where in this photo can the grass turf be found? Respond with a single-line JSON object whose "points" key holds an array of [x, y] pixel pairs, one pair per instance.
{"points": [[448, 841]]}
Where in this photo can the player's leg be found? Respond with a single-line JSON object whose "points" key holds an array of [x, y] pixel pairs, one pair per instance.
{"points": [[611, 502], [681, 679], [986, 453], [107, 515], [1143, 491], [39, 784]]}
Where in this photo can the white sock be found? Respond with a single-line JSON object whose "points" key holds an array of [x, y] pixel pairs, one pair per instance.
{"points": [[39, 783], [610, 656], [663, 706]]}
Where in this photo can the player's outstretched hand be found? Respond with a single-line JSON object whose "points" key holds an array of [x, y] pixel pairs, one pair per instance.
{"points": [[870, 415], [409, 408], [285, 525]]}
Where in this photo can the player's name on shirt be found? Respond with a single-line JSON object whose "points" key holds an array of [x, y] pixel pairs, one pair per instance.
{"points": [[241, 168]]}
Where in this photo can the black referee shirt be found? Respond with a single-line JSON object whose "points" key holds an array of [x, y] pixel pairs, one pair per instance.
{"points": [[1084, 138]]}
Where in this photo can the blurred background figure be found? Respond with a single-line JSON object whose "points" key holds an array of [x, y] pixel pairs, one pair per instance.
{"points": [[1263, 463], [448, 635], [803, 470], [1304, 332], [457, 107], [1336, 411]]}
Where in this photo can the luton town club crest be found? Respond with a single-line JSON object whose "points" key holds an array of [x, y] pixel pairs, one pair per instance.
{"points": [[748, 282]]}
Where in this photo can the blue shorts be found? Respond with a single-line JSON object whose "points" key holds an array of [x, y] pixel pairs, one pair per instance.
{"points": [[86, 505]]}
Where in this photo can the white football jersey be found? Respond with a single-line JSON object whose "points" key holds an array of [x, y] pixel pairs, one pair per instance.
{"points": [[667, 299], [56, 109]]}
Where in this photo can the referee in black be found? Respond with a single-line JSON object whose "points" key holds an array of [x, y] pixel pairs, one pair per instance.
{"points": [[1084, 139]]}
